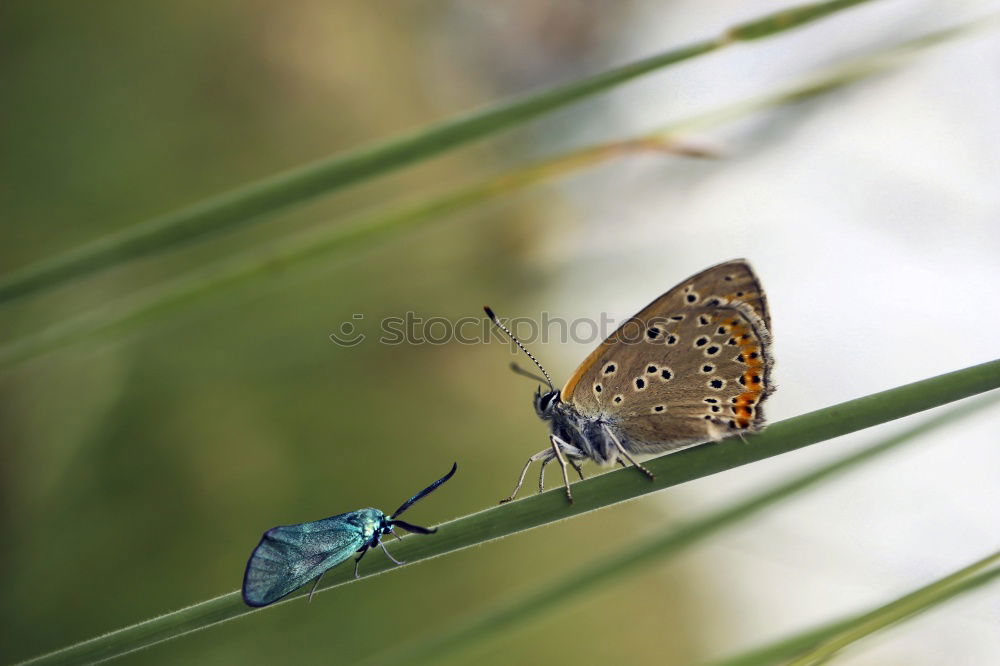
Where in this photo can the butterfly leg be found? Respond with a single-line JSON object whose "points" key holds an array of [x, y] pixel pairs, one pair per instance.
{"points": [[315, 585], [623, 453], [541, 455], [386, 551], [357, 561], [557, 446], [569, 458], [541, 473]]}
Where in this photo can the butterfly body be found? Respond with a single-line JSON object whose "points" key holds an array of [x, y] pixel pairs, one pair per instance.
{"points": [[691, 367], [289, 556]]}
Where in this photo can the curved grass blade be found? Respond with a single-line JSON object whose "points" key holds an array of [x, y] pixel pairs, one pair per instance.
{"points": [[594, 493], [815, 646], [652, 551], [977, 573], [254, 202], [368, 229], [303, 248]]}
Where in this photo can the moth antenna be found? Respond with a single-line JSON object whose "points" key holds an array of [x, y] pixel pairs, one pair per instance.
{"points": [[518, 370], [493, 318], [423, 493]]}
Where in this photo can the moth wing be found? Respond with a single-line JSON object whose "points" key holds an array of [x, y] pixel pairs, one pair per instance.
{"points": [[289, 556]]}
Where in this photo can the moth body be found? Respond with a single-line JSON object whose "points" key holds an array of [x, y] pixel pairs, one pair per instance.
{"points": [[289, 556]]}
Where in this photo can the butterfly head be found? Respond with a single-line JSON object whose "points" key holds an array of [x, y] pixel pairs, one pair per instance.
{"points": [[547, 403]]}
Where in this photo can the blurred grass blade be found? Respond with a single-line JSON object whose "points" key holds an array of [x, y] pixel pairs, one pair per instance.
{"points": [[268, 196], [781, 651], [652, 551], [816, 646], [369, 229], [308, 246], [594, 493], [974, 575]]}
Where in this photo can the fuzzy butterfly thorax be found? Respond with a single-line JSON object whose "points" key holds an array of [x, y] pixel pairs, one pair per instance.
{"points": [[691, 367]]}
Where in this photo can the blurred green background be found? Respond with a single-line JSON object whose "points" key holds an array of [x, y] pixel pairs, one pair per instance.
{"points": [[139, 470]]}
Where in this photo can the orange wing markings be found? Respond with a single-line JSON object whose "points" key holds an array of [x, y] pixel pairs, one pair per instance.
{"points": [[752, 377]]}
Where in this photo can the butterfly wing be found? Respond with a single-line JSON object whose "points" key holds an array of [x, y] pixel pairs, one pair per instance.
{"points": [[289, 556], [693, 365]]}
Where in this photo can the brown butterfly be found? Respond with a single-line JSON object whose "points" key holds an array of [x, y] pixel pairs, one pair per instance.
{"points": [[692, 366]]}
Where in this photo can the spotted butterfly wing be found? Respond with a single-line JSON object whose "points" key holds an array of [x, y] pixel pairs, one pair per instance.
{"points": [[691, 366]]}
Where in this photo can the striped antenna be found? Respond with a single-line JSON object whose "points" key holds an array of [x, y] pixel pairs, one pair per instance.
{"points": [[493, 318]]}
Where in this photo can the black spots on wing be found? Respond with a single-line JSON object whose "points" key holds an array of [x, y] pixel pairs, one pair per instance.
{"points": [[703, 320], [713, 401], [742, 380], [739, 293], [713, 350], [740, 359], [618, 399], [598, 388], [731, 341], [672, 339], [652, 332], [651, 370], [640, 384], [713, 302], [755, 379], [677, 318], [716, 384], [707, 368], [610, 368], [666, 374], [728, 278], [690, 295], [707, 417], [701, 342], [754, 355], [659, 408], [715, 408]]}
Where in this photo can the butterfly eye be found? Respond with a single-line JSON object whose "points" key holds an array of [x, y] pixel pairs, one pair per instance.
{"points": [[546, 400]]}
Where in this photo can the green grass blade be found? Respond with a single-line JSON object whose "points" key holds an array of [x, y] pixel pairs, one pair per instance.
{"points": [[974, 575], [592, 494], [815, 646], [302, 249], [369, 229], [254, 202], [652, 551]]}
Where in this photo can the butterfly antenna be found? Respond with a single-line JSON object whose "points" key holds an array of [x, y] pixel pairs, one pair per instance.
{"points": [[518, 370], [424, 493], [493, 318]]}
